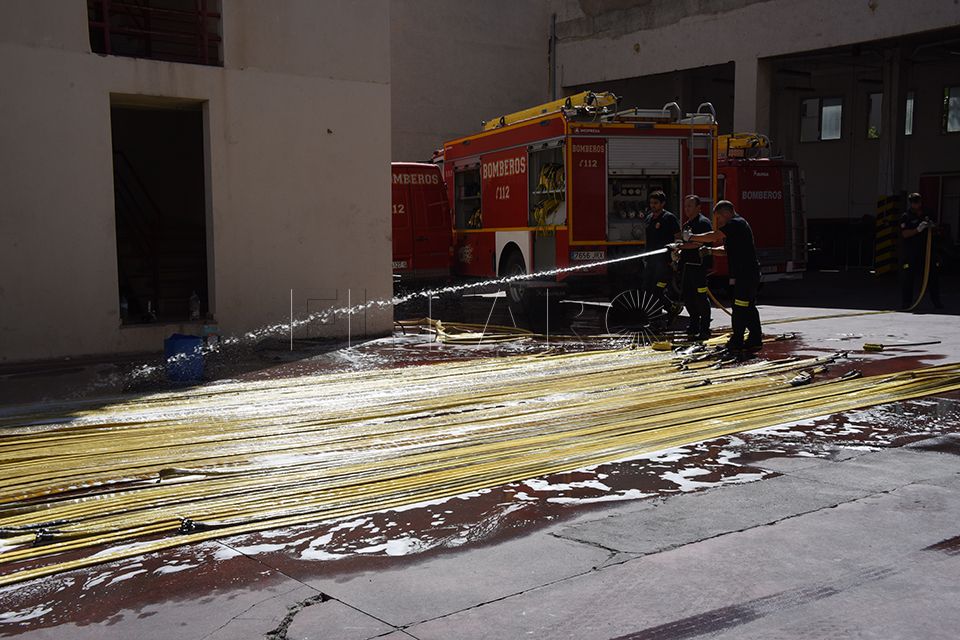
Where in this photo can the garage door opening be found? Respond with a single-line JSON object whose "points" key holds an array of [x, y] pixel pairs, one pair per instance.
{"points": [[160, 202]]}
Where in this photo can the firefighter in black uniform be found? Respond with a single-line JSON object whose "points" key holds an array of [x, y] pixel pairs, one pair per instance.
{"points": [[662, 228], [915, 224], [694, 263], [737, 238]]}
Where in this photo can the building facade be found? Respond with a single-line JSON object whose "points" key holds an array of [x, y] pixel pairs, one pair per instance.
{"points": [[456, 63], [863, 94], [178, 163]]}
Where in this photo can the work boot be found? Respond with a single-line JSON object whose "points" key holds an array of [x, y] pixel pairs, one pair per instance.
{"points": [[753, 344], [734, 344]]}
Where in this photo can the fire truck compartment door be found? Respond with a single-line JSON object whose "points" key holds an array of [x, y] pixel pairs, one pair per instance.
{"points": [[432, 230], [651, 155], [402, 229]]}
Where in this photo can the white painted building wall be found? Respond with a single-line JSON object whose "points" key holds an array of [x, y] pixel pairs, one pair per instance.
{"points": [[298, 130], [457, 62]]}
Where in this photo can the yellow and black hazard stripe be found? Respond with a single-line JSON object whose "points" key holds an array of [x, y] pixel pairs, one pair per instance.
{"points": [[885, 244]]}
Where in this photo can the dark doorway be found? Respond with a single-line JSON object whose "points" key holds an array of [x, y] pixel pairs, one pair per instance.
{"points": [[689, 88], [158, 181]]}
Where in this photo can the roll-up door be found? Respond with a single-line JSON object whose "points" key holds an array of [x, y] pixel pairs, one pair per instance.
{"points": [[649, 154]]}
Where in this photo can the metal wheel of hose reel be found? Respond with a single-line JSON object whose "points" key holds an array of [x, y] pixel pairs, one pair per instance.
{"points": [[639, 316]]}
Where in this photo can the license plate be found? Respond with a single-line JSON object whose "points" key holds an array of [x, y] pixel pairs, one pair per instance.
{"points": [[399, 264], [770, 268], [587, 256]]}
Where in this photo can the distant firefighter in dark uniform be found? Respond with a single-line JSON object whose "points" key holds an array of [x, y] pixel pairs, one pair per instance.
{"points": [[661, 229], [694, 263], [737, 238], [915, 225]]}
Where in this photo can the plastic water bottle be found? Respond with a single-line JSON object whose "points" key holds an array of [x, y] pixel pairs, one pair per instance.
{"points": [[194, 306]]}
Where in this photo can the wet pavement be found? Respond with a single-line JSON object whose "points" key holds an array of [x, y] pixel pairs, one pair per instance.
{"points": [[813, 529]]}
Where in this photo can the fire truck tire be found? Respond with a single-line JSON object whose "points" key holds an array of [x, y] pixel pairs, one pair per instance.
{"points": [[513, 265]]}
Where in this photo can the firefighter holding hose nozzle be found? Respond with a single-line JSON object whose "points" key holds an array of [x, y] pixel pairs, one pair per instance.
{"points": [[737, 238], [694, 261]]}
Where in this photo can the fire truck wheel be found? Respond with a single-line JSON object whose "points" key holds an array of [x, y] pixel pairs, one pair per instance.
{"points": [[513, 265]]}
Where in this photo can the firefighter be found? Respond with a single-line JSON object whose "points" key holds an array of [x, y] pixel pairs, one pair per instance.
{"points": [[662, 228], [915, 224], [694, 263], [737, 238]]}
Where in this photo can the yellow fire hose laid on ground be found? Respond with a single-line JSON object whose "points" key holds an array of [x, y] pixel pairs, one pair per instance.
{"points": [[177, 468]]}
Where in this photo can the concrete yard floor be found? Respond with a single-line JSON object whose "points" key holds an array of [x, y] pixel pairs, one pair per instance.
{"points": [[822, 531]]}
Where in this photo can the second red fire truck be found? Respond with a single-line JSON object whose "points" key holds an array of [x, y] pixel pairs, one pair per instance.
{"points": [[768, 193]]}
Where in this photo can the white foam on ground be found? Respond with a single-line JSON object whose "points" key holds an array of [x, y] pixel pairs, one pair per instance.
{"points": [[320, 554], [173, 568], [261, 548], [10, 617], [629, 494], [225, 553], [543, 485], [126, 576], [405, 546], [315, 551]]}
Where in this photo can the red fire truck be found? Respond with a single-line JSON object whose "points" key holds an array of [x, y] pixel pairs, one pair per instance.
{"points": [[567, 183], [767, 192], [422, 225]]}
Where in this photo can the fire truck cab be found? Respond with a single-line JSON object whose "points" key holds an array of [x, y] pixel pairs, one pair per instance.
{"points": [[567, 183], [768, 193]]}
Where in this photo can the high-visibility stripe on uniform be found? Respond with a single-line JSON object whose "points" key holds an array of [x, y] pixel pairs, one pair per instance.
{"points": [[701, 289], [742, 303], [662, 285]]}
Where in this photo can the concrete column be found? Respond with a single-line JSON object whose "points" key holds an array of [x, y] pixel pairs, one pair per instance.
{"points": [[751, 95], [892, 140]]}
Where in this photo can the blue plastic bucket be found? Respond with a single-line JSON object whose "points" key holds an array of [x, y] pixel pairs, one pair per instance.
{"points": [[184, 355]]}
